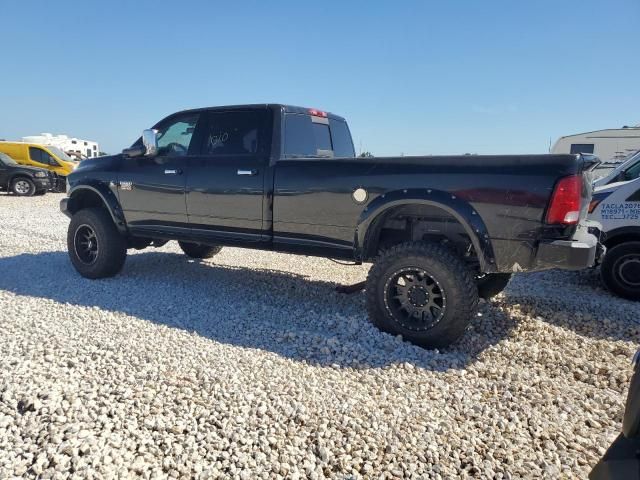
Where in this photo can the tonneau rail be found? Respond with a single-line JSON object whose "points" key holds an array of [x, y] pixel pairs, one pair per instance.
{"points": [[589, 162]]}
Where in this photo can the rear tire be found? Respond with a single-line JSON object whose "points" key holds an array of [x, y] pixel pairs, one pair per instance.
{"points": [[23, 187], [491, 284], [96, 248], [422, 291], [620, 270], [198, 250]]}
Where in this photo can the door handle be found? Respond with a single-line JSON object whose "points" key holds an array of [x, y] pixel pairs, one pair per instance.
{"points": [[248, 172], [173, 171]]}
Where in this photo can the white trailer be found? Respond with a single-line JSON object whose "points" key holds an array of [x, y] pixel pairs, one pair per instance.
{"points": [[610, 145], [76, 147]]}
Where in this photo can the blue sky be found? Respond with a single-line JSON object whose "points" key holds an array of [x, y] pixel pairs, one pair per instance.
{"points": [[412, 77]]}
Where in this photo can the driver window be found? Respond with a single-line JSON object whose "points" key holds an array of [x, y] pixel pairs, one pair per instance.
{"points": [[40, 156], [632, 172], [174, 138], [48, 159]]}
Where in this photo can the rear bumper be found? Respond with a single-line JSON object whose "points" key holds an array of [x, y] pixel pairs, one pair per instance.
{"points": [[584, 250]]}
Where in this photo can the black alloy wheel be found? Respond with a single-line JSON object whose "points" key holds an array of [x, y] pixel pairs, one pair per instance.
{"points": [[86, 245], [415, 299]]}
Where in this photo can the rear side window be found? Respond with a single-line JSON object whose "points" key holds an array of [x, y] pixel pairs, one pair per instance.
{"points": [[322, 137], [306, 138], [342, 143], [300, 139], [234, 133]]}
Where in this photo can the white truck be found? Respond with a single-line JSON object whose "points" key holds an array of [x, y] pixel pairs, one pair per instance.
{"points": [[616, 205]]}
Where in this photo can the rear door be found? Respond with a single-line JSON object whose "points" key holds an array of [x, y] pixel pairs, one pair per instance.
{"points": [[315, 182], [152, 189], [225, 185]]}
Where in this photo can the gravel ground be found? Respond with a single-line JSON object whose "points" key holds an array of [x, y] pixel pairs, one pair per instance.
{"points": [[249, 365]]}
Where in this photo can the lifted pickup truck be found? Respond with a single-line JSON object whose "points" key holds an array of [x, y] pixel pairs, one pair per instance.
{"points": [[440, 231]]}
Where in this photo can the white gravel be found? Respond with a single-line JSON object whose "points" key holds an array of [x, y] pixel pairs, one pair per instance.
{"points": [[251, 366]]}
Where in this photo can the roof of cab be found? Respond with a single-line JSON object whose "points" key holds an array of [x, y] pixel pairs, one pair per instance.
{"points": [[281, 106]]}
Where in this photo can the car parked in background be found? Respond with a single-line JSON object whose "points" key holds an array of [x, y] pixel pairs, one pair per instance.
{"points": [[42, 156], [629, 169], [23, 180], [616, 206]]}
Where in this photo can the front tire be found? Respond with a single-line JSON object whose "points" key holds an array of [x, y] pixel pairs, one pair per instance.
{"points": [[620, 270], [96, 248], [198, 250], [422, 291], [23, 187]]}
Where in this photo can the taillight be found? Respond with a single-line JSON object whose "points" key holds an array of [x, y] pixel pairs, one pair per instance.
{"points": [[593, 204], [565, 201]]}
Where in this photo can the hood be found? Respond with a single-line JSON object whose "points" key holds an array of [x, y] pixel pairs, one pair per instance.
{"points": [[106, 163], [27, 168]]}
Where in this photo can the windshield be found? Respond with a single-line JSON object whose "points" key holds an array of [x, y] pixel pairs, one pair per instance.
{"points": [[631, 159], [60, 154], [6, 159]]}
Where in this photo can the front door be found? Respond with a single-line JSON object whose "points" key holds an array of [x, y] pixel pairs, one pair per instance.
{"points": [[152, 189], [225, 183]]}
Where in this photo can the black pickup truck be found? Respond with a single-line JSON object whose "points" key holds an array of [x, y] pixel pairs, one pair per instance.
{"points": [[23, 180], [441, 231]]}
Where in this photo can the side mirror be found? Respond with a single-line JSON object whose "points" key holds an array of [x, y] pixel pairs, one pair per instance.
{"points": [[150, 142]]}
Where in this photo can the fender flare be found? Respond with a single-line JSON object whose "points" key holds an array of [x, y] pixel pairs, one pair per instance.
{"points": [[461, 210], [107, 196], [13, 176], [628, 231]]}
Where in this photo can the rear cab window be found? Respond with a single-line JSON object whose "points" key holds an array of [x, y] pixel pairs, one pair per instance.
{"points": [[308, 136], [235, 133]]}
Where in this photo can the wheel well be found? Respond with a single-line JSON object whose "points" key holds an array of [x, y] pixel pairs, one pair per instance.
{"points": [[85, 199], [420, 222], [622, 238], [20, 175]]}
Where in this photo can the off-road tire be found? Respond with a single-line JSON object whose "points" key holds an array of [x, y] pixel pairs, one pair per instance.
{"points": [[17, 187], [450, 272], [199, 250], [611, 270], [492, 284], [111, 245]]}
